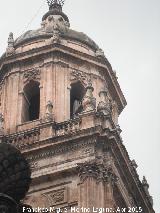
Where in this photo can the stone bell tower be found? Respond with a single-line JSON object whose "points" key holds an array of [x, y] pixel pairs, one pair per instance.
{"points": [[59, 104]]}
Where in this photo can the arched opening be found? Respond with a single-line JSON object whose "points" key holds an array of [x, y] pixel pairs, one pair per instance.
{"points": [[76, 96], [31, 102]]}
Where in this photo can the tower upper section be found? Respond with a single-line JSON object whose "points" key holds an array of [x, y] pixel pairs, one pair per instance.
{"points": [[50, 73]]}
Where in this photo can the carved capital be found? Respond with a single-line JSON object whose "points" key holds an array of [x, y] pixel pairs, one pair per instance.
{"points": [[86, 170], [96, 171]]}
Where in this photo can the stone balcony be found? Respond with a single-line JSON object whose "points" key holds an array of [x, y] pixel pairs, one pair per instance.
{"points": [[32, 135]]}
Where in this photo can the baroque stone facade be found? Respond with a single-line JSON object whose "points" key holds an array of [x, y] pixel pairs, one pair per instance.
{"points": [[59, 104]]}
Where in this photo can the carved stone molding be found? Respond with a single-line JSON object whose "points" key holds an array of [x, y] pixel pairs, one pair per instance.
{"points": [[96, 171], [31, 75]]}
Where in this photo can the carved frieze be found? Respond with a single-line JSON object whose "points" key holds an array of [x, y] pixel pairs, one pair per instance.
{"points": [[56, 197], [31, 75]]}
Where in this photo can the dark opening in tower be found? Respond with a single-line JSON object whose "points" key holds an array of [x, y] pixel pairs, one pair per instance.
{"points": [[31, 102], [76, 96]]}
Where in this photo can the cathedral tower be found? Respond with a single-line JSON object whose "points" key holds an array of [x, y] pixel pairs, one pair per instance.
{"points": [[59, 104]]}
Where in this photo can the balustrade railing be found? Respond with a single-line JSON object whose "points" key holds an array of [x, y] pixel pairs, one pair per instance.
{"points": [[68, 127], [23, 139]]}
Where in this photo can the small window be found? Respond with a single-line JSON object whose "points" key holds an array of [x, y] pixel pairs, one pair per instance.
{"points": [[31, 102], [76, 96]]}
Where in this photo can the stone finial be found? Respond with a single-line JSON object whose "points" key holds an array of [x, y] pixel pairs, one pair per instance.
{"points": [[115, 74], [134, 164], [89, 102], [1, 124], [104, 104], [100, 53], [146, 189], [118, 128], [49, 111], [10, 49], [145, 183]]}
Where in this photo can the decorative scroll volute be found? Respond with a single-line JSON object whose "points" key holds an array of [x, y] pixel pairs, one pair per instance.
{"points": [[31, 75], [79, 76]]}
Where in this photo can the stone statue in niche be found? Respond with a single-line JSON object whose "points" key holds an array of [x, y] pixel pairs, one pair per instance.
{"points": [[89, 102], [104, 105], [49, 111]]}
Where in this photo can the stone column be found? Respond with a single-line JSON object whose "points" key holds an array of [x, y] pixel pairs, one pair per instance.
{"points": [[88, 173], [109, 180], [96, 186]]}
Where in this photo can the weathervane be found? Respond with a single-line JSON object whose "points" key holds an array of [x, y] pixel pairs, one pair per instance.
{"points": [[52, 3]]}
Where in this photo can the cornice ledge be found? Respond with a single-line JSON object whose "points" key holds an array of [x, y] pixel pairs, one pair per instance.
{"points": [[60, 148]]}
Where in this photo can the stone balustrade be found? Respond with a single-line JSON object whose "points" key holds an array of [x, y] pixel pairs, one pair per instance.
{"points": [[68, 127], [23, 139]]}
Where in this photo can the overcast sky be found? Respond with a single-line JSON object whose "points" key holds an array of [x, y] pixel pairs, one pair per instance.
{"points": [[128, 31]]}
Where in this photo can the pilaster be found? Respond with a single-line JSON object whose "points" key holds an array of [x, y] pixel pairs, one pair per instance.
{"points": [[96, 186]]}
